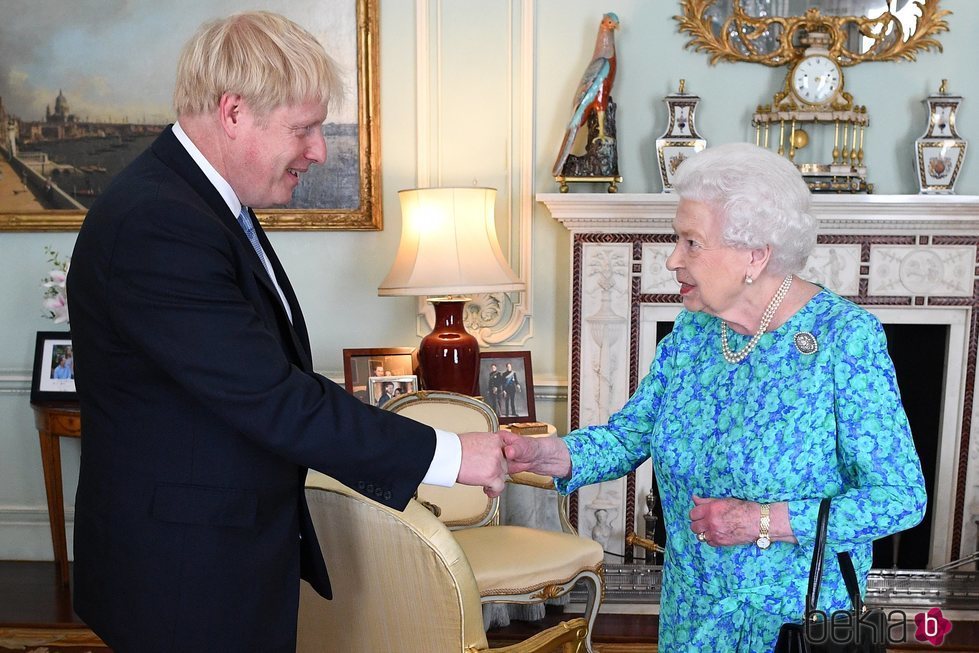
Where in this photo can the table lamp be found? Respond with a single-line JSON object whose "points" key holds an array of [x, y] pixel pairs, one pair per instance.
{"points": [[449, 249]]}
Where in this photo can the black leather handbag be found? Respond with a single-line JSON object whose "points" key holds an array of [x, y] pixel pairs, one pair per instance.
{"points": [[854, 631]]}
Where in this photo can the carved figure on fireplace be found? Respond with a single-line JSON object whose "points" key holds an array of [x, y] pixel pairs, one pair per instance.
{"points": [[769, 394]]}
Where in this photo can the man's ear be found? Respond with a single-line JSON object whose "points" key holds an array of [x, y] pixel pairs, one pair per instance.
{"points": [[229, 113]]}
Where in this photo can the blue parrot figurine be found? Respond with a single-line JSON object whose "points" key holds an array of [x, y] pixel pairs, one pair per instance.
{"points": [[594, 89]]}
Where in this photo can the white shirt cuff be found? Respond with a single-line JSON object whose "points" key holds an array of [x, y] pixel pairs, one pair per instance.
{"points": [[447, 461]]}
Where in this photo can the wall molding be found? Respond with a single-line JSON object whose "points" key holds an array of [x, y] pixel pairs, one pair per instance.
{"points": [[15, 381], [512, 324], [27, 533]]}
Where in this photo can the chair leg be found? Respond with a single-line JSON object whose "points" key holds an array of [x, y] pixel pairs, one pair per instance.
{"points": [[595, 586]]}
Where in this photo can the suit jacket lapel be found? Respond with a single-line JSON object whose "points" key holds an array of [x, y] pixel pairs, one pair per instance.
{"points": [[173, 154], [298, 331]]}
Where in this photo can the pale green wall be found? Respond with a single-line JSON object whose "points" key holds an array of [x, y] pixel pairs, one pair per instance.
{"points": [[336, 273]]}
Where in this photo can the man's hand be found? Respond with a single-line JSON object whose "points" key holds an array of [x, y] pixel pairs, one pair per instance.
{"points": [[483, 463], [547, 456]]}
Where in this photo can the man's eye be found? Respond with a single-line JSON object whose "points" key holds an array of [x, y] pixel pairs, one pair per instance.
{"points": [[693, 244]]}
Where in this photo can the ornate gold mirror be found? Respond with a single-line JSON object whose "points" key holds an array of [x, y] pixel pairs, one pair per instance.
{"points": [[770, 32]]}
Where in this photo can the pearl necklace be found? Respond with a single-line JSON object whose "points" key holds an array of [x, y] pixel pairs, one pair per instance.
{"points": [[766, 319]]}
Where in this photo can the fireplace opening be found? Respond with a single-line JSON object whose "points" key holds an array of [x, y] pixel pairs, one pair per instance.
{"points": [[918, 352]]}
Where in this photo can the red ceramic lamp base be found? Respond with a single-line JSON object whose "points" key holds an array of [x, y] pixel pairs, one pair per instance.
{"points": [[449, 355]]}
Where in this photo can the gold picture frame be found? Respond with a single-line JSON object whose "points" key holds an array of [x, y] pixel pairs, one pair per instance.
{"points": [[365, 216]]}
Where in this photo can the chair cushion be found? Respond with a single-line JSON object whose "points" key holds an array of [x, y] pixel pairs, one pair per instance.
{"points": [[510, 560]]}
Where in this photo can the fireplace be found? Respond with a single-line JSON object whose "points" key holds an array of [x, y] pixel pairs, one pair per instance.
{"points": [[911, 260]]}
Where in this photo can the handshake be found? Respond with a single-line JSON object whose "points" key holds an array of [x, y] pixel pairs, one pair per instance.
{"points": [[488, 458]]}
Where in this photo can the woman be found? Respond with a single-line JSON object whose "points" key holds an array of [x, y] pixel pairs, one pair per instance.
{"points": [[769, 394]]}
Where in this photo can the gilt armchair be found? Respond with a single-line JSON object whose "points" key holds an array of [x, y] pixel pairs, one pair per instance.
{"points": [[401, 583], [512, 564]]}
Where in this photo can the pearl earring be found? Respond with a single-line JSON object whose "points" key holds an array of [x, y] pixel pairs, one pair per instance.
{"points": [[748, 280]]}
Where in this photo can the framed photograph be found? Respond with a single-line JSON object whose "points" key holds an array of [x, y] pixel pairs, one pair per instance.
{"points": [[386, 388], [82, 112], [54, 368], [506, 382], [359, 365]]}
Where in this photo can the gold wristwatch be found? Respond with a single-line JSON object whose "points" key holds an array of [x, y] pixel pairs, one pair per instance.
{"points": [[763, 540]]}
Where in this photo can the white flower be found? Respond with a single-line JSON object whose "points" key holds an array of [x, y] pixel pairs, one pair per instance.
{"points": [[55, 296]]}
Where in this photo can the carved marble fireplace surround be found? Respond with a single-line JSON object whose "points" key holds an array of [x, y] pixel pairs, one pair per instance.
{"points": [[909, 259]]}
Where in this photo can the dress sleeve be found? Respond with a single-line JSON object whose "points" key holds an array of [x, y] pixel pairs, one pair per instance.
{"points": [[604, 452], [876, 455]]}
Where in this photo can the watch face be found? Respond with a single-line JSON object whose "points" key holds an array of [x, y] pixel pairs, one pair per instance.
{"points": [[763, 542], [816, 79]]}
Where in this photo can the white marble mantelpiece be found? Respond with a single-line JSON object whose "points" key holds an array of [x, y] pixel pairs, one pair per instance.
{"points": [[907, 258], [842, 214]]}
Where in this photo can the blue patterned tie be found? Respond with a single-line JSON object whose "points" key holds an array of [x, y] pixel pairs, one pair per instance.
{"points": [[245, 220]]}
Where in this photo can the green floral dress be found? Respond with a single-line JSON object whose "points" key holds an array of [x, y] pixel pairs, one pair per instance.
{"points": [[782, 425]]}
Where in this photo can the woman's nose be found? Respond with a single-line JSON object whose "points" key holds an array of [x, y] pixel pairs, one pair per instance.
{"points": [[673, 260]]}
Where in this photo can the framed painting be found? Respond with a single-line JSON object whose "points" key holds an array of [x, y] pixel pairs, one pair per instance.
{"points": [[506, 382], [75, 113], [360, 366], [54, 368]]}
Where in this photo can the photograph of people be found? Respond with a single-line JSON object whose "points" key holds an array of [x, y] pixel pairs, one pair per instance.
{"points": [[769, 394]]}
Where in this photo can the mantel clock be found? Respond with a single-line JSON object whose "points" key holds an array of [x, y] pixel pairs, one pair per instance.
{"points": [[813, 109], [813, 99]]}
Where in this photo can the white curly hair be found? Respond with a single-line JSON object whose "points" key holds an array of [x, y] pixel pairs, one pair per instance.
{"points": [[761, 196]]}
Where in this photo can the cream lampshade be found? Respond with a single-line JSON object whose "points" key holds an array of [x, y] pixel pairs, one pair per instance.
{"points": [[449, 249]]}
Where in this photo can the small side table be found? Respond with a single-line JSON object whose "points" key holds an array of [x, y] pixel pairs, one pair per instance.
{"points": [[55, 421]]}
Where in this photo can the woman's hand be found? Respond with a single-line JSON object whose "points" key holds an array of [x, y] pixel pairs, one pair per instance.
{"points": [[732, 522], [548, 456]]}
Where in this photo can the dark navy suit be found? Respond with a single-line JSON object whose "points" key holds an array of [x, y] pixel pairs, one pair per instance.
{"points": [[200, 415]]}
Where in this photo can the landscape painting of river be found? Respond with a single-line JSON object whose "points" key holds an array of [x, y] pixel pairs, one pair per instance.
{"points": [[86, 86]]}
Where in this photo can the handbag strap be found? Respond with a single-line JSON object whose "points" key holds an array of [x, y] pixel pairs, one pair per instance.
{"points": [[816, 568], [850, 578]]}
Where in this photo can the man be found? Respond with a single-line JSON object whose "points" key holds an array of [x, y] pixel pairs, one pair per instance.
{"points": [[495, 384], [387, 393], [511, 386], [63, 371], [200, 407]]}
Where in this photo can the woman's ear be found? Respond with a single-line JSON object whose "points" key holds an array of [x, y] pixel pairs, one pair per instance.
{"points": [[760, 257]]}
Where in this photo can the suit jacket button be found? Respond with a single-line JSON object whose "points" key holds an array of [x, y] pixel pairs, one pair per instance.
{"points": [[370, 488], [379, 492], [360, 485], [387, 495]]}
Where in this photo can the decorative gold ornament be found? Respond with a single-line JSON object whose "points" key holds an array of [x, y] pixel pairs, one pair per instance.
{"points": [[740, 34]]}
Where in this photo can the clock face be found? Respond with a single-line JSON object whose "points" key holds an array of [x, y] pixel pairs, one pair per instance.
{"points": [[816, 79]]}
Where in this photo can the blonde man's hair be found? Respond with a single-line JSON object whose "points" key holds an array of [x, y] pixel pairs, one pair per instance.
{"points": [[264, 57]]}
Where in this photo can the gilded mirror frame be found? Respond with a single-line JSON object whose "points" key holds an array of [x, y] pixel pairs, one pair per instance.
{"points": [[366, 216], [740, 31]]}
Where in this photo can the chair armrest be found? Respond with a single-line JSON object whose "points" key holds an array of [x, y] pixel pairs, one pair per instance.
{"points": [[533, 480], [540, 482], [565, 636]]}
